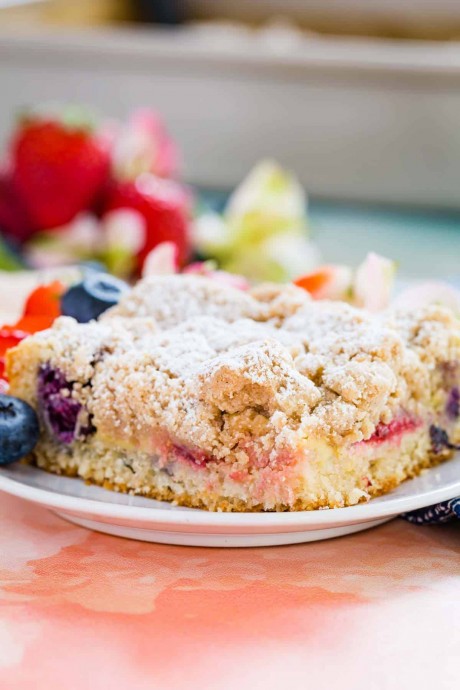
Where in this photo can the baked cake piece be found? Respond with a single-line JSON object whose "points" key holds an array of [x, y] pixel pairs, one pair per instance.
{"points": [[195, 392]]}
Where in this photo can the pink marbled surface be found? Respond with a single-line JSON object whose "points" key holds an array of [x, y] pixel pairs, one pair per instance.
{"points": [[80, 610]]}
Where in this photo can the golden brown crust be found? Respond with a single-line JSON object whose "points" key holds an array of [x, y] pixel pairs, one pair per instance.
{"points": [[207, 501]]}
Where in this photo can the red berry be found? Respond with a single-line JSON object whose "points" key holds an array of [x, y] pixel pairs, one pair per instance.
{"points": [[41, 309], [14, 220], [10, 336], [33, 324], [164, 205], [45, 300], [58, 171]]}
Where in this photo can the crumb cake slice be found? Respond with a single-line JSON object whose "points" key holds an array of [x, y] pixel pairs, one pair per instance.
{"points": [[195, 392]]}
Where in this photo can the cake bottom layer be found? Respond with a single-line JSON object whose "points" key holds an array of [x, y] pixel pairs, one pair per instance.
{"points": [[319, 477]]}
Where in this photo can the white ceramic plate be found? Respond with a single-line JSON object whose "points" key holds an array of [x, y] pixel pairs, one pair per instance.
{"points": [[142, 518]]}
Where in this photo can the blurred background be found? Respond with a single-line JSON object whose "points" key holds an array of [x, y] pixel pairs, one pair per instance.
{"points": [[359, 98]]}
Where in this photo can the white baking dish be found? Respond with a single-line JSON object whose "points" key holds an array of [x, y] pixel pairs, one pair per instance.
{"points": [[371, 120]]}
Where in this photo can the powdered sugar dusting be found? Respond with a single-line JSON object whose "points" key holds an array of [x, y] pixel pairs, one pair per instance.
{"points": [[211, 365]]}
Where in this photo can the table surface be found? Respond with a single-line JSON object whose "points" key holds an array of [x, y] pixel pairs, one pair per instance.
{"points": [[78, 610], [377, 610]]}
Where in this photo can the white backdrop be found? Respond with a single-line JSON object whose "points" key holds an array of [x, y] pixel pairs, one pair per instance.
{"points": [[356, 120]]}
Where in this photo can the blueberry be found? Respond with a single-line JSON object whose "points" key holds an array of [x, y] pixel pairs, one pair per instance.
{"points": [[440, 440], [60, 411], [19, 429], [93, 296], [453, 403]]}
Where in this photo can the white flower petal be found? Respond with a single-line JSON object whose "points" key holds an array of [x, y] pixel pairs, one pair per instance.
{"points": [[210, 233], [373, 283], [270, 189], [430, 292], [82, 234], [125, 229], [294, 253]]}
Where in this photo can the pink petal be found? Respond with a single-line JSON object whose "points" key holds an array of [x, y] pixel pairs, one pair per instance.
{"points": [[162, 260], [144, 146]]}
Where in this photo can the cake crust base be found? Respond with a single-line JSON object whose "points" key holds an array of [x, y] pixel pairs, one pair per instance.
{"points": [[108, 475]]}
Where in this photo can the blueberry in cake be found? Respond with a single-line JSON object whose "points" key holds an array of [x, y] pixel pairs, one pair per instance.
{"points": [[192, 391]]}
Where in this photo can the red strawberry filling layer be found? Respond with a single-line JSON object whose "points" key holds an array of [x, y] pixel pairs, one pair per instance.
{"points": [[200, 459], [384, 433], [195, 457], [393, 431]]}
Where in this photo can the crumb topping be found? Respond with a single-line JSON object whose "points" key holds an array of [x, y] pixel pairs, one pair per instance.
{"points": [[212, 366]]}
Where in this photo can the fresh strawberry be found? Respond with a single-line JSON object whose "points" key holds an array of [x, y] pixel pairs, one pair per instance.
{"points": [[58, 170], [42, 307], [33, 324], [164, 205], [14, 221], [45, 300], [10, 336]]}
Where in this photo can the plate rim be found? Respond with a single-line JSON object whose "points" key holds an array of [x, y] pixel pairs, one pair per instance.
{"points": [[362, 512]]}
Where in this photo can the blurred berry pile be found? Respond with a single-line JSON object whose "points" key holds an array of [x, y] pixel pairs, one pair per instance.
{"points": [[73, 188], [77, 189]]}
